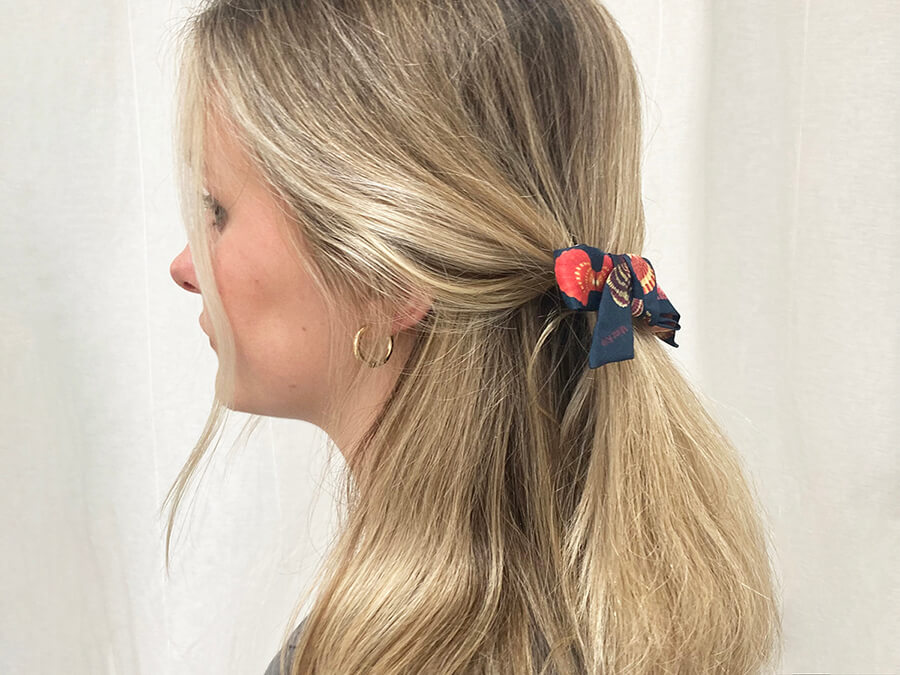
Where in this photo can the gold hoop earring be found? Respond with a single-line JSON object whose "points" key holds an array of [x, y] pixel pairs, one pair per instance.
{"points": [[371, 364]]}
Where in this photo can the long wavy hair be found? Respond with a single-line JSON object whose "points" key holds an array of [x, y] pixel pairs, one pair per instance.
{"points": [[510, 510]]}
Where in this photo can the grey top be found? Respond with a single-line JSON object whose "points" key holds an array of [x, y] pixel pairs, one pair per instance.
{"points": [[291, 646]]}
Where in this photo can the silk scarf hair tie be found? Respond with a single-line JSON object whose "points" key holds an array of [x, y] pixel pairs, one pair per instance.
{"points": [[617, 287]]}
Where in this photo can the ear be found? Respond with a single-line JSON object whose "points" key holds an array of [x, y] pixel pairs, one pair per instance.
{"points": [[409, 312]]}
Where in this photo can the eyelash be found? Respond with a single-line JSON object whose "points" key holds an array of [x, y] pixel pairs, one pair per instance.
{"points": [[219, 213]]}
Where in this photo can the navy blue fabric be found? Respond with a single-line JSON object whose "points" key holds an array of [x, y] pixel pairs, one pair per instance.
{"points": [[619, 287]]}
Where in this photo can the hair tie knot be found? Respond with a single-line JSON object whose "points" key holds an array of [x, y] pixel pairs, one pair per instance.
{"points": [[618, 287]]}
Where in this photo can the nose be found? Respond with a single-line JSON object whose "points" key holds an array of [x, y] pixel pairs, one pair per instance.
{"points": [[182, 270]]}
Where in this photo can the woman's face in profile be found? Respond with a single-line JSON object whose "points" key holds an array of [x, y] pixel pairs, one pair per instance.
{"points": [[277, 315]]}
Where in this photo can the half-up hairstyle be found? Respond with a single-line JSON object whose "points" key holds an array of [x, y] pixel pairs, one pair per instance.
{"points": [[510, 510]]}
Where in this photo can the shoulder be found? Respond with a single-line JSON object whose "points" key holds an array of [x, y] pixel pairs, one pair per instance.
{"points": [[275, 664]]}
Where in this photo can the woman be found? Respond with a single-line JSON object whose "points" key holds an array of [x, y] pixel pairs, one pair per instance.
{"points": [[387, 185]]}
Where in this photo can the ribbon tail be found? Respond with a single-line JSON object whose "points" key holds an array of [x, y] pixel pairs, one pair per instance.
{"points": [[663, 314], [613, 339]]}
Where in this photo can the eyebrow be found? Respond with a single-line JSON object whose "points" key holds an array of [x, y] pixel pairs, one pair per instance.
{"points": [[212, 180]]}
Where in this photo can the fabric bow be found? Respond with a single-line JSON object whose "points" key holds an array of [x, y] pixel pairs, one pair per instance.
{"points": [[618, 287]]}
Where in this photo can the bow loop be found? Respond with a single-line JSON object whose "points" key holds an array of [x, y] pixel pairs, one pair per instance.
{"points": [[619, 287]]}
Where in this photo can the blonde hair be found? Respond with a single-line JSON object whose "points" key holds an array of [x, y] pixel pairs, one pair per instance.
{"points": [[510, 510]]}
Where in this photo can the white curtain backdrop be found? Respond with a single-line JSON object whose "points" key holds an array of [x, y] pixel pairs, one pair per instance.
{"points": [[772, 185]]}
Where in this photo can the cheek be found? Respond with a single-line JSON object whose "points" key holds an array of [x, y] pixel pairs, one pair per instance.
{"points": [[239, 287], [284, 358], [280, 321], [279, 324]]}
